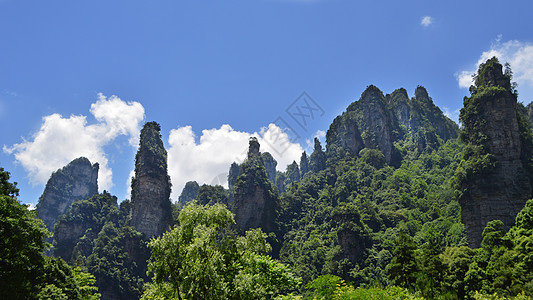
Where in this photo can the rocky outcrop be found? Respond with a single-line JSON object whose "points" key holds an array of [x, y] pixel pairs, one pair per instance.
{"points": [[268, 161], [304, 164], [234, 171], [353, 236], [270, 165], [367, 123], [495, 183], [529, 113], [150, 188], [376, 121], [85, 218], [77, 180], [189, 193], [317, 160], [399, 103], [256, 200]]}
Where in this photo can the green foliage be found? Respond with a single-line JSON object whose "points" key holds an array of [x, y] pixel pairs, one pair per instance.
{"points": [[403, 268], [87, 217], [209, 195], [329, 287], [414, 199], [25, 273], [253, 183], [119, 261], [21, 247], [202, 259], [317, 160], [98, 240], [7, 188], [189, 193], [153, 153]]}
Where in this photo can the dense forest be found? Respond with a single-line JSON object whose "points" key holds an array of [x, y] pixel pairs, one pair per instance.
{"points": [[401, 204]]}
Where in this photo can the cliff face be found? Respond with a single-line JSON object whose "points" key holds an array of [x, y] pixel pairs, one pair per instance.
{"points": [[77, 180], [83, 218], [496, 185], [366, 123], [376, 121], [352, 234], [256, 200], [270, 165], [189, 193], [150, 188]]}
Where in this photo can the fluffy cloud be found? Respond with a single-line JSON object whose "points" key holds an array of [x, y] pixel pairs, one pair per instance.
{"points": [[208, 160], [426, 21], [60, 140], [518, 54], [454, 115]]}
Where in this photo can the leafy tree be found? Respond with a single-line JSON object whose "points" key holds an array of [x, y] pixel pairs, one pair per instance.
{"points": [[403, 268], [7, 188], [202, 259], [208, 194], [25, 273], [21, 249]]}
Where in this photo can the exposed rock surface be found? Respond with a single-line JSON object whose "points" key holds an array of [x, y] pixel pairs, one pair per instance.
{"points": [[189, 193], [256, 199], [83, 218], [270, 165], [77, 180], [374, 121], [352, 235], [496, 191], [150, 188], [529, 112], [367, 123], [317, 160], [304, 164], [234, 171]]}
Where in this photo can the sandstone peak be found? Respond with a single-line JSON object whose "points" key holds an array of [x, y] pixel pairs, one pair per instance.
{"points": [[150, 188], [77, 180]]}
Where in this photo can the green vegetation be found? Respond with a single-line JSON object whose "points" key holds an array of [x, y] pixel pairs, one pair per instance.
{"points": [[25, 272], [375, 216], [202, 258], [100, 241]]}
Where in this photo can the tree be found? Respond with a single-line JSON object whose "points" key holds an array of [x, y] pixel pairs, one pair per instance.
{"points": [[203, 259], [403, 268], [21, 247], [25, 273]]}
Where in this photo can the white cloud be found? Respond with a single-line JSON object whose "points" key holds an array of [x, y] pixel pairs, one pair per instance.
{"points": [[60, 140], [120, 118], [209, 160], [128, 184], [454, 115], [426, 21], [518, 54]]}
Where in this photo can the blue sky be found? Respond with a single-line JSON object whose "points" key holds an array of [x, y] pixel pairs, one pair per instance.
{"points": [[80, 78]]}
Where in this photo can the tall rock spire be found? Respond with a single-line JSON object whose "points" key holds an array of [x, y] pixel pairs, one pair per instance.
{"points": [[494, 182], [150, 187], [256, 199]]}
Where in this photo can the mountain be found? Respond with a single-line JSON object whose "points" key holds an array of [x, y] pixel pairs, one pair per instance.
{"points": [[77, 180], [256, 198], [378, 121], [150, 187], [495, 176], [395, 200]]}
